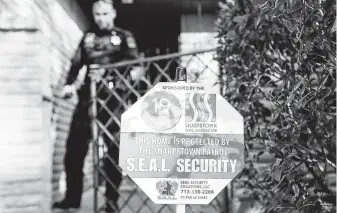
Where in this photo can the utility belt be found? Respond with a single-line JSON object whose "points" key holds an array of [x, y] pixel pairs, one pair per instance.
{"points": [[113, 82]]}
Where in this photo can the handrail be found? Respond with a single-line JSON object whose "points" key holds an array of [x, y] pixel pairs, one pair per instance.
{"points": [[150, 59], [52, 99]]}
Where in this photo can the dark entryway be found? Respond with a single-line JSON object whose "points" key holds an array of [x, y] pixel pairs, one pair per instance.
{"points": [[156, 28]]}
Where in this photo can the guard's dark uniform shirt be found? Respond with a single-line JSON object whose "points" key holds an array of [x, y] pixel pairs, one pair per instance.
{"points": [[101, 47]]}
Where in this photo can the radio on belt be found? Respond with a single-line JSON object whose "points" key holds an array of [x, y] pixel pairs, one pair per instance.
{"points": [[181, 144]]}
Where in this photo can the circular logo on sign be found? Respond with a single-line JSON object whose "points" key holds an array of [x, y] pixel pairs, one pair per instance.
{"points": [[161, 110]]}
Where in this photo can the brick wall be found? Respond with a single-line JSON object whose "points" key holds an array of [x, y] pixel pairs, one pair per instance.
{"points": [[37, 39], [24, 176], [23, 166]]}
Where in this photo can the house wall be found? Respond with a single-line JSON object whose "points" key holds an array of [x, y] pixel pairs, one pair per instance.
{"points": [[37, 39]]}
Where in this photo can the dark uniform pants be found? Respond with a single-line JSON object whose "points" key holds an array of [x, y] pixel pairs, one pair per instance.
{"points": [[77, 148]]}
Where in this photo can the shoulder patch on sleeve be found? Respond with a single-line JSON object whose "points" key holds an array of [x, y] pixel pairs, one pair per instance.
{"points": [[130, 41]]}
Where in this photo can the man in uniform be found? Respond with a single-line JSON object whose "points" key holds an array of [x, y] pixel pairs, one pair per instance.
{"points": [[105, 44]]}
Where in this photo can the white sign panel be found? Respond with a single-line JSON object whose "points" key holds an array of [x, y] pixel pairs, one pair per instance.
{"points": [[181, 144]]}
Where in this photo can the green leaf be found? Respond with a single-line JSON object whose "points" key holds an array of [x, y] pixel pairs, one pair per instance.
{"points": [[310, 37], [260, 153], [292, 93], [240, 19], [322, 81], [282, 180], [258, 1], [296, 190], [334, 27], [295, 167], [290, 98], [264, 11], [327, 93], [268, 104], [296, 7], [278, 161], [275, 12], [303, 102], [329, 199], [231, 34], [278, 173], [329, 5]]}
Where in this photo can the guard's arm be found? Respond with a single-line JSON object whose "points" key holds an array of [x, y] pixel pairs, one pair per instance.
{"points": [[129, 46], [130, 50], [77, 63]]}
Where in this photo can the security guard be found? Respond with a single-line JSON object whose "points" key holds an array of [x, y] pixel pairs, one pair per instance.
{"points": [[105, 44]]}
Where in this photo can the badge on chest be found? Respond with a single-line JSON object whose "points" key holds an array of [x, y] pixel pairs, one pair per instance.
{"points": [[93, 43], [115, 40]]}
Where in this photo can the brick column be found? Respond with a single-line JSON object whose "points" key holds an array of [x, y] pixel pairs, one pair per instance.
{"points": [[25, 156], [37, 40]]}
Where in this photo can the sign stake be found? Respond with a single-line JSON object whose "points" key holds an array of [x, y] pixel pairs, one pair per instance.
{"points": [[181, 74], [180, 208]]}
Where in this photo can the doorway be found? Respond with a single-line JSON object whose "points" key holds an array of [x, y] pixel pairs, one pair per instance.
{"points": [[156, 28]]}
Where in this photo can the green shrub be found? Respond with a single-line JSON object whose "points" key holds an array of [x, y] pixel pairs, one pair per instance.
{"points": [[278, 60]]}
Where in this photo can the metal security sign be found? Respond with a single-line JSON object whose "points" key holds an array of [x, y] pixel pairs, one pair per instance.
{"points": [[181, 144]]}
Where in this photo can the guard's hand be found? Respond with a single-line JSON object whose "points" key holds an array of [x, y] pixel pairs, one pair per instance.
{"points": [[67, 91], [137, 73], [96, 74], [89, 41]]}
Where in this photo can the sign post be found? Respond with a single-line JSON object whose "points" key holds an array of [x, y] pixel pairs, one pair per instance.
{"points": [[182, 77], [181, 144]]}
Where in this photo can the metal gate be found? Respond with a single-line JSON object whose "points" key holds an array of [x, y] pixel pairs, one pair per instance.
{"points": [[111, 96]]}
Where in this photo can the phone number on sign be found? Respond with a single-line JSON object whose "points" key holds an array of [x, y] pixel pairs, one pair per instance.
{"points": [[197, 191]]}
